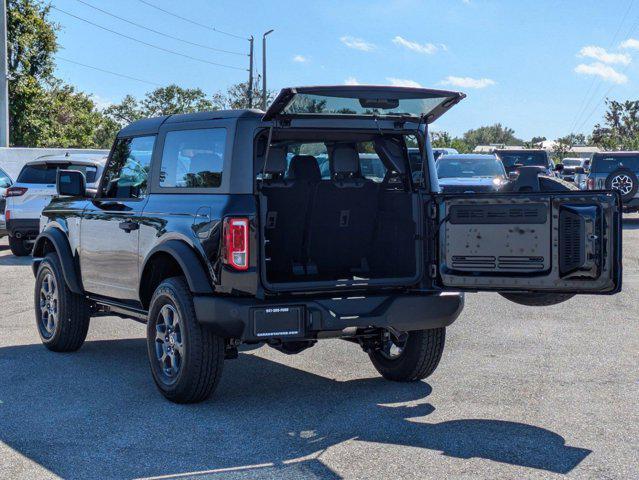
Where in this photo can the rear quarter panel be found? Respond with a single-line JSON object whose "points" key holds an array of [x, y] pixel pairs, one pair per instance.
{"points": [[197, 220]]}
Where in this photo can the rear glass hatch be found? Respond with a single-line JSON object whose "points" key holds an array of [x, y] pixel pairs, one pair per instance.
{"points": [[359, 101]]}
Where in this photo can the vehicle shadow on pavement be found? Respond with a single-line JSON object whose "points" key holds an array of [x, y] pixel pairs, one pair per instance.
{"points": [[11, 260], [630, 223], [96, 413]]}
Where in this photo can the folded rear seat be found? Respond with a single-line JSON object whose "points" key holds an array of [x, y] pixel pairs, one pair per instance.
{"points": [[343, 220]]}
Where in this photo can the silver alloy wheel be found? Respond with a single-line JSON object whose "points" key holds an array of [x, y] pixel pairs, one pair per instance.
{"points": [[623, 183], [48, 305], [169, 347]]}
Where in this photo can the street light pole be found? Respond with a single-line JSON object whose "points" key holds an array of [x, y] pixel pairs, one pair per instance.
{"points": [[264, 69], [4, 78], [250, 80]]}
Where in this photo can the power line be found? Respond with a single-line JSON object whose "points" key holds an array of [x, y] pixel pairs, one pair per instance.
{"points": [[590, 94], [630, 32], [193, 22], [158, 32], [108, 71], [173, 52]]}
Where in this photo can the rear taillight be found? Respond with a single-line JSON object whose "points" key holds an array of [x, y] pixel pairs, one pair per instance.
{"points": [[15, 191], [590, 184], [7, 215], [236, 243]]}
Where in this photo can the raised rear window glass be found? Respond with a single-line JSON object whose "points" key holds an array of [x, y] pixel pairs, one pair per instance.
{"points": [[610, 163], [311, 104], [193, 158], [46, 173]]}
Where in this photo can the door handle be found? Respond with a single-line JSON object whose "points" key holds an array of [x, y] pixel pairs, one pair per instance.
{"points": [[128, 226]]}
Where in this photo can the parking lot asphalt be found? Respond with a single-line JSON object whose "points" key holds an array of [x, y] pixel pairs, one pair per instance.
{"points": [[521, 392]]}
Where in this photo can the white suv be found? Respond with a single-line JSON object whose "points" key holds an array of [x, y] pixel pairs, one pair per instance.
{"points": [[5, 182], [34, 189]]}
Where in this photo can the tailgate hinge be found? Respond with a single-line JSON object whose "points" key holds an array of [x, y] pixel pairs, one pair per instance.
{"points": [[432, 210], [432, 270]]}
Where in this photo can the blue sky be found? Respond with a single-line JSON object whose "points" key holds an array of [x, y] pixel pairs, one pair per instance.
{"points": [[540, 67]]}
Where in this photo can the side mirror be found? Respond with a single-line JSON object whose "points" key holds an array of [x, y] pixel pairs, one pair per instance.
{"points": [[71, 183], [559, 167]]}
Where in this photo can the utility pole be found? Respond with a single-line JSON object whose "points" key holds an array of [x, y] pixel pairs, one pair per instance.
{"points": [[250, 80], [264, 69], [4, 78]]}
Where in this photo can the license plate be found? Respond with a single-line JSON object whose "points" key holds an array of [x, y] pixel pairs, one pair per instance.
{"points": [[278, 321]]}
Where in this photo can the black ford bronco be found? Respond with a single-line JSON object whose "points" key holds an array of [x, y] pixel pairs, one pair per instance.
{"points": [[304, 222]]}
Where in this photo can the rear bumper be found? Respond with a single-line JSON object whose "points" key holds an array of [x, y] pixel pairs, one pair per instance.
{"points": [[235, 317], [23, 227]]}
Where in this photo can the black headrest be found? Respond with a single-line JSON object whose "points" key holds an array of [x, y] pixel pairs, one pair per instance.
{"points": [[276, 160], [345, 159], [304, 167]]}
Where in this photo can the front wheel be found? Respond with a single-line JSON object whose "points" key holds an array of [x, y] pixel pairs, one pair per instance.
{"points": [[19, 246], [410, 360], [186, 358], [62, 317]]}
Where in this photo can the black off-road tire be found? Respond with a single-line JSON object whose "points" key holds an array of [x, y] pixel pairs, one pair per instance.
{"points": [[419, 359], [19, 246], [73, 312], [546, 184], [537, 299], [203, 353], [630, 175]]}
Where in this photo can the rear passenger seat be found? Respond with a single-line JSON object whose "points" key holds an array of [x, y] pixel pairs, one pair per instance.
{"points": [[343, 219], [289, 209]]}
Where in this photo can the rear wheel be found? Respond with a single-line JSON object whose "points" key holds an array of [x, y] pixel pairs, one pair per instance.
{"points": [[186, 358], [19, 246], [62, 317], [410, 360]]}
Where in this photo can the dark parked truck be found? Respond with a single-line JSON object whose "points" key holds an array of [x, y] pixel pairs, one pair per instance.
{"points": [[218, 229]]}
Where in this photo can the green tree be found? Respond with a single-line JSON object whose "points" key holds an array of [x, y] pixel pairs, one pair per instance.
{"points": [[564, 144], [488, 135], [167, 100], [236, 96], [620, 128], [31, 44], [43, 111], [444, 140]]}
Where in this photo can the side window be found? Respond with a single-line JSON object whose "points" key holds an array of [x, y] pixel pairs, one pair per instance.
{"points": [[126, 174], [193, 158]]}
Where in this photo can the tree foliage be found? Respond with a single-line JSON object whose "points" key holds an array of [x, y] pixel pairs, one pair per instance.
{"points": [[167, 100], [564, 144], [492, 134], [43, 111], [620, 128]]}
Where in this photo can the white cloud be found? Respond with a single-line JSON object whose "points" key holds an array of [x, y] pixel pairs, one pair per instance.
{"points": [[425, 48], [351, 81], [606, 72], [467, 82], [357, 43], [300, 59], [402, 82], [600, 53], [100, 102], [632, 43]]}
